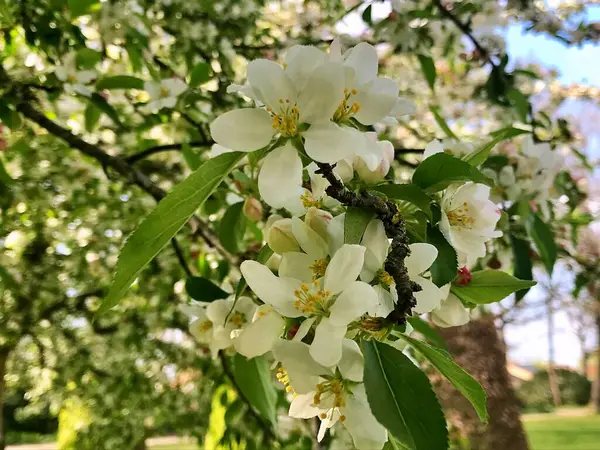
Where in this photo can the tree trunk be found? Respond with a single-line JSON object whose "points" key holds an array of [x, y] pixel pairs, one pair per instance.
{"points": [[3, 358], [596, 382], [478, 348], [552, 380]]}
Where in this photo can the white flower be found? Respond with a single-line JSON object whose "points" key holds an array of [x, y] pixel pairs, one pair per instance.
{"points": [[386, 149], [74, 80], [469, 220], [330, 395], [260, 336], [209, 325], [451, 313], [538, 167], [421, 257], [335, 299], [164, 93]]}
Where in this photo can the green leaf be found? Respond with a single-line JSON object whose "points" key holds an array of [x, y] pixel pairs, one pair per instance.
{"points": [[204, 290], [431, 334], [233, 227], [522, 266], [355, 224], [100, 102], [543, 237], [442, 123], [163, 223], [394, 444], [192, 159], [465, 383], [80, 7], [509, 132], [519, 102], [9, 116], [253, 378], [441, 170], [444, 268], [120, 82], [92, 116], [86, 58], [428, 69], [409, 193], [401, 398], [480, 155], [367, 15], [5, 178], [489, 286], [200, 74]]}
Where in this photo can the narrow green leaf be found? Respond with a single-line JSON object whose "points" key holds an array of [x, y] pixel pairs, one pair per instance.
{"points": [[192, 159], [480, 155], [100, 102], [233, 227], [444, 268], [9, 116], [163, 223], [441, 170], [204, 290], [120, 82], [355, 224], [86, 58], [542, 235], [401, 398], [92, 116], [519, 102], [509, 132], [4, 176], [442, 123], [428, 69], [409, 193], [253, 378], [80, 7], [465, 383], [522, 265], [431, 334], [200, 74], [489, 286]]}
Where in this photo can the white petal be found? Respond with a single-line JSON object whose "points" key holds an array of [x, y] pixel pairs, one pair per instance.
{"points": [[260, 336], [432, 148], [175, 86], [335, 50], [326, 347], [377, 244], [367, 148], [367, 433], [421, 257], [403, 107], [335, 233], [322, 94], [357, 299], [217, 310], [428, 298], [152, 88], [169, 102], [318, 183], [86, 76], [274, 291], [194, 309], [243, 130], [363, 59], [451, 313], [300, 61], [270, 83], [302, 407], [344, 268], [295, 357], [385, 302], [280, 176], [376, 100], [352, 363], [296, 265], [309, 240], [303, 329], [329, 143]]}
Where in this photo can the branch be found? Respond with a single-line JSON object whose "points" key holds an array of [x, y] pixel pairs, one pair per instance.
{"points": [[181, 258], [166, 147], [395, 228]]}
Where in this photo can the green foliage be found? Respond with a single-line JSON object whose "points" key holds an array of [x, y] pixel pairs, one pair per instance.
{"points": [[428, 332], [232, 228], [204, 290], [428, 68], [522, 266], [441, 170], [535, 394], [402, 399], [489, 286], [480, 155], [120, 82], [355, 224], [199, 74], [542, 235], [164, 222], [445, 266], [409, 193]]}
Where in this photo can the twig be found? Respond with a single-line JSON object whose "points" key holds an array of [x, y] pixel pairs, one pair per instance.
{"points": [[164, 148], [181, 258], [395, 229]]}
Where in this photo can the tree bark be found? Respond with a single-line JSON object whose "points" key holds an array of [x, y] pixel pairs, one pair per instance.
{"points": [[478, 348], [596, 383], [3, 358]]}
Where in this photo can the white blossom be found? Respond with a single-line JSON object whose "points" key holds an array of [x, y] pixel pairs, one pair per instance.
{"points": [[451, 312], [164, 93], [74, 80]]}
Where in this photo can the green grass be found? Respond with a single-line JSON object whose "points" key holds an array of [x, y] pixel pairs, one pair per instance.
{"points": [[552, 432]]}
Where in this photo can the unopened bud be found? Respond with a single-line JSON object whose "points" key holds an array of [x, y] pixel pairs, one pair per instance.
{"points": [[318, 220], [280, 237], [344, 170], [371, 176], [253, 209], [463, 277]]}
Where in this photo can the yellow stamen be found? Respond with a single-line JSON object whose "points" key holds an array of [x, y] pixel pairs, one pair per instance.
{"points": [[461, 217], [318, 268], [346, 108], [286, 121]]}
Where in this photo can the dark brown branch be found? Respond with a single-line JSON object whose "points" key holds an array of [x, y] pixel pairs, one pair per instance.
{"points": [[165, 148], [181, 258], [395, 229], [404, 151]]}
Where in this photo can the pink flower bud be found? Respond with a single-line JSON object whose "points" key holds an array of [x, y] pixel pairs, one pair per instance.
{"points": [[252, 209], [463, 277]]}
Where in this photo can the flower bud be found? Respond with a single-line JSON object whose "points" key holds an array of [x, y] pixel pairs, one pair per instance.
{"points": [[463, 277], [252, 209], [344, 170], [318, 220], [280, 237], [371, 176]]}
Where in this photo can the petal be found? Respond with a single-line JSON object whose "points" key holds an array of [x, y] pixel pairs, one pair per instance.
{"points": [[421, 257], [194, 310], [451, 313], [260, 336], [217, 310], [169, 102], [280, 176], [352, 363], [367, 433], [376, 100], [152, 88], [356, 300], [326, 347], [175, 86], [272, 290], [310, 241], [322, 94], [403, 107], [328, 142], [243, 130], [302, 407], [428, 298], [270, 83], [344, 268], [300, 61], [385, 302], [432, 148], [335, 233], [335, 50], [363, 59], [318, 183], [86, 76], [367, 148], [304, 328], [296, 265], [377, 244], [302, 369]]}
